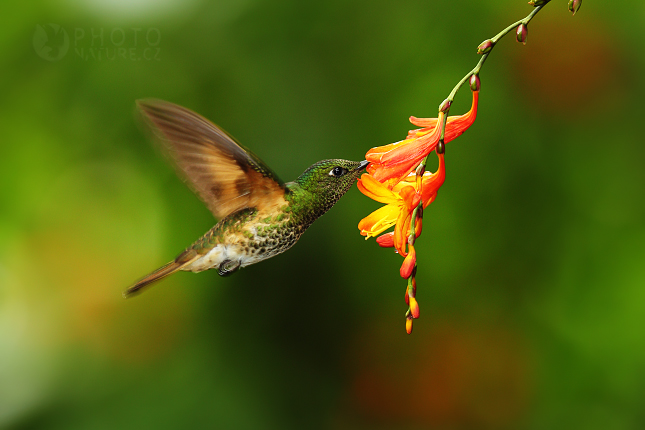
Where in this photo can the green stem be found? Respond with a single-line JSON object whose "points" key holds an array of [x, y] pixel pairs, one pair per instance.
{"points": [[481, 62]]}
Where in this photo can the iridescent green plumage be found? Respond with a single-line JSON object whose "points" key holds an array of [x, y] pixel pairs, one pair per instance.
{"points": [[260, 216]]}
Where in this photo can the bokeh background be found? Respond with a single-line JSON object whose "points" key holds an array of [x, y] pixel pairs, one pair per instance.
{"points": [[531, 277]]}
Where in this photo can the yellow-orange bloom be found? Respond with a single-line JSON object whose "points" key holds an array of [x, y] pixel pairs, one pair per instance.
{"points": [[397, 160], [401, 200]]}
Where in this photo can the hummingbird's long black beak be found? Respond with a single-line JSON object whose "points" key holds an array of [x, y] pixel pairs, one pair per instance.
{"points": [[363, 164]]}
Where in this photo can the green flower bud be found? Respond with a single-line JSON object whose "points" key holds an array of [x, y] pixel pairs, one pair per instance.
{"points": [[536, 3], [522, 33], [441, 147], [475, 83]]}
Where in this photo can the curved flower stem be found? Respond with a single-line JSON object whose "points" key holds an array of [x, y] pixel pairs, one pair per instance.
{"points": [[481, 62], [449, 100]]}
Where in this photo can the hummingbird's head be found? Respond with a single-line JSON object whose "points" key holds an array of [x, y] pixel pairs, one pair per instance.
{"points": [[331, 179]]}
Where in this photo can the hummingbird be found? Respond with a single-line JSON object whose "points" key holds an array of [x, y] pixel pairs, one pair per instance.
{"points": [[259, 215]]}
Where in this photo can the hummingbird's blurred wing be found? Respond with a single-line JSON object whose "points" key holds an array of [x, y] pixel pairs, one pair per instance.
{"points": [[226, 176]]}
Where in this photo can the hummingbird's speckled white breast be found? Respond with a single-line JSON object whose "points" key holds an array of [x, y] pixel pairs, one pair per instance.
{"points": [[254, 244]]}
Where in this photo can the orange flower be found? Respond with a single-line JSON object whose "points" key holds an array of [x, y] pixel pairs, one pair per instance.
{"points": [[401, 200], [391, 162], [400, 203]]}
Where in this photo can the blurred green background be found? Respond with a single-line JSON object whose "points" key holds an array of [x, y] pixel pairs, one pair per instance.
{"points": [[531, 278]]}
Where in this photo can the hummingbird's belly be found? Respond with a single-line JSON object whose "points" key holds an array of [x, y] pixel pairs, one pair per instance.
{"points": [[246, 252]]}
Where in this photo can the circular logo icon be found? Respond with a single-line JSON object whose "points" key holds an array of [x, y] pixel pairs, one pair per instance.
{"points": [[51, 41]]}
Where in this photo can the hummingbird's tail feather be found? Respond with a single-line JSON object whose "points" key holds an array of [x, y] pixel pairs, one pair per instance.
{"points": [[167, 269]]}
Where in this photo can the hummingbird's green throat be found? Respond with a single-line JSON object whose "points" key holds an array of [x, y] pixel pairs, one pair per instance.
{"points": [[260, 216]]}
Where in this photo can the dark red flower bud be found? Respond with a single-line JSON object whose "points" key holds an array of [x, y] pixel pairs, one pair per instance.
{"points": [[574, 5], [485, 46], [522, 33], [445, 105]]}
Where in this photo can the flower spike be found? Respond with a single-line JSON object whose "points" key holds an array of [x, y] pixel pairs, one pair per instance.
{"points": [[397, 173]]}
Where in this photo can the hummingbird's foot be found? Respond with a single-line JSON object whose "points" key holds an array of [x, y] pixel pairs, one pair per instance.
{"points": [[227, 267]]}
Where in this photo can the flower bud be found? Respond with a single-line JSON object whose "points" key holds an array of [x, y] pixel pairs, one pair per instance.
{"points": [[408, 324], [445, 105], [441, 147], [414, 307], [522, 33], [421, 169], [574, 5], [475, 83], [386, 240], [408, 264], [485, 46], [536, 3]]}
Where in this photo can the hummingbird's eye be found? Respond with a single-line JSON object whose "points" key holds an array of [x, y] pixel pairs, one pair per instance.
{"points": [[337, 172]]}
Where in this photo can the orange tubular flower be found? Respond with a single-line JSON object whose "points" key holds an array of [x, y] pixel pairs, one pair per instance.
{"points": [[397, 160], [401, 200]]}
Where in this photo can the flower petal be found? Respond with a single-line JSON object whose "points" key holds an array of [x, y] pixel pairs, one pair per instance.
{"points": [[379, 220], [374, 154], [423, 122], [399, 159], [375, 190], [402, 231], [458, 124], [432, 183], [402, 160]]}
